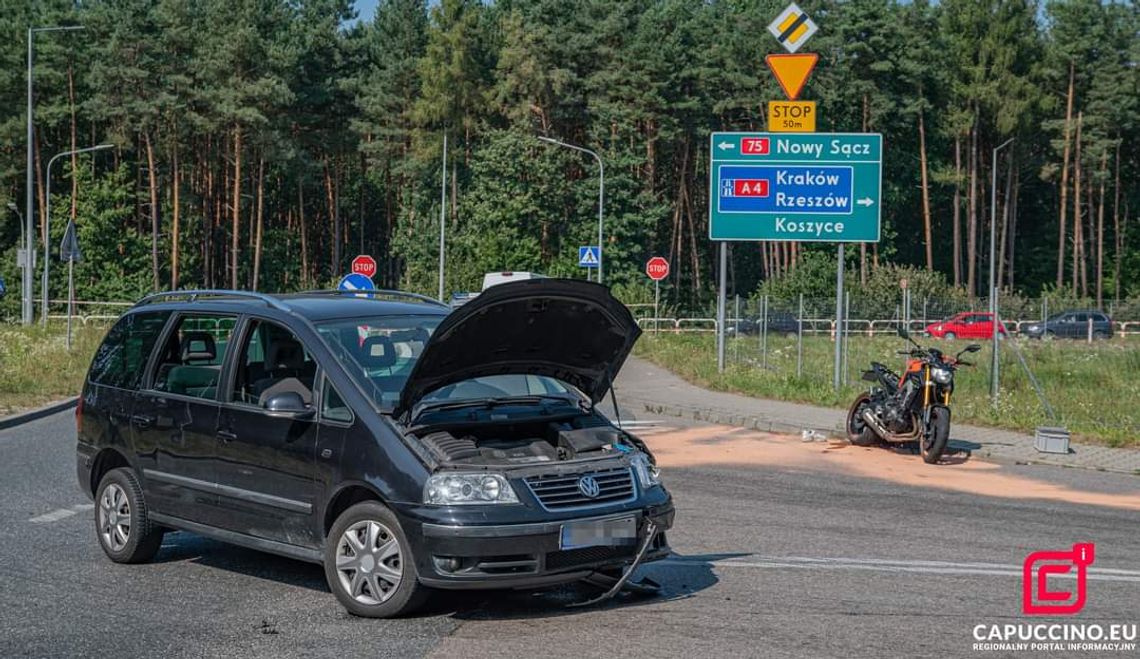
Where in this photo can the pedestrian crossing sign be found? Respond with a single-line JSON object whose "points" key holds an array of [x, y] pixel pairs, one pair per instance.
{"points": [[588, 256]]}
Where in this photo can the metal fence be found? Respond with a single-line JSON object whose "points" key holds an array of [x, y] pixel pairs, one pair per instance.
{"points": [[872, 317]]}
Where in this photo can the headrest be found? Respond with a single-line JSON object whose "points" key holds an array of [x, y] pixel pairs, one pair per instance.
{"points": [[377, 352], [284, 353], [198, 346]]}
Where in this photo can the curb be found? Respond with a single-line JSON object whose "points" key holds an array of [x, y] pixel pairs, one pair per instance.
{"points": [[47, 410], [726, 418]]}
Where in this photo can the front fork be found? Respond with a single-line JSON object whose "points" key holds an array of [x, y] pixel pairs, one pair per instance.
{"points": [[930, 398]]}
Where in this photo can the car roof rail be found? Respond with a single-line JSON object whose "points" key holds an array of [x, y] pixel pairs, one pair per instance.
{"points": [[194, 294], [378, 291]]}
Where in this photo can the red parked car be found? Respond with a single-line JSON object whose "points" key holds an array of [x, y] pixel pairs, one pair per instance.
{"points": [[966, 325]]}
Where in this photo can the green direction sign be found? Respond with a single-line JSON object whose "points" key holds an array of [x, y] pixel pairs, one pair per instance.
{"points": [[822, 187]]}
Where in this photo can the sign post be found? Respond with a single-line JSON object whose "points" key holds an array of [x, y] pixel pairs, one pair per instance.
{"points": [[657, 268]]}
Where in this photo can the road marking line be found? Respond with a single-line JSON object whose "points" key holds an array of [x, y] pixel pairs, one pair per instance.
{"points": [[884, 565], [53, 516], [61, 513]]}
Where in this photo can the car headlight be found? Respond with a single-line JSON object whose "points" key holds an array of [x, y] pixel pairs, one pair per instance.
{"points": [[647, 474], [942, 375], [455, 489]]}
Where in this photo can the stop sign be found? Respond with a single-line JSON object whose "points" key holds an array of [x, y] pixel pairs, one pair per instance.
{"points": [[364, 265], [657, 268]]}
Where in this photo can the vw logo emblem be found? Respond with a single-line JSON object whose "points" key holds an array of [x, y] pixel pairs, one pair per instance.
{"points": [[588, 486]]}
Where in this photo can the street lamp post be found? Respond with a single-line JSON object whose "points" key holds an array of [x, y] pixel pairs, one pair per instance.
{"points": [[993, 269], [29, 237], [601, 192], [47, 222]]}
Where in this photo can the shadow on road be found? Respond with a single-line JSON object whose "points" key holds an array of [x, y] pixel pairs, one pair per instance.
{"points": [[181, 546], [680, 577]]}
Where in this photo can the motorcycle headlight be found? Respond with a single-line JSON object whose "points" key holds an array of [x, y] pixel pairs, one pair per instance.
{"points": [[456, 489], [647, 474], [942, 375]]}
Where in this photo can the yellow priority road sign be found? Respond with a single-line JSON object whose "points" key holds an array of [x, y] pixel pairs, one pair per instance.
{"points": [[792, 28], [791, 116]]}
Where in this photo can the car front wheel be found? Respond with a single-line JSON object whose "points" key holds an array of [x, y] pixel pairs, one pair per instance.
{"points": [[369, 564], [949, 336]]}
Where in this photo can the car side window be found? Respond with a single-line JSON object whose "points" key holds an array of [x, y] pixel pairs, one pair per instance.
{"points": [[272, 361], [122, 357], [333, 407], [190, 362], [1080, 318]]}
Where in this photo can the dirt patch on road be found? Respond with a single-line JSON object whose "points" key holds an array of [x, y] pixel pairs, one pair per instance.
{"points": [[726, 445]]}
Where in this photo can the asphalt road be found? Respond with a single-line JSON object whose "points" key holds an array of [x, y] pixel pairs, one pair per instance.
{"points": [[773, 560]]}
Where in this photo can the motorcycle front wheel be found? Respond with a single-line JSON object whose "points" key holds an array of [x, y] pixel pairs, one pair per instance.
{"points": [[858, 432], [937, 436]]}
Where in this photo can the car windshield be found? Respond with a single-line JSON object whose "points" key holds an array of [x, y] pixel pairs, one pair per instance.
{"points": [[379, 353]]}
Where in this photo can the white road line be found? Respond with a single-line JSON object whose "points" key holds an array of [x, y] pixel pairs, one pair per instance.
{"points": [[53, 516], [886, 565], [61, 513]]}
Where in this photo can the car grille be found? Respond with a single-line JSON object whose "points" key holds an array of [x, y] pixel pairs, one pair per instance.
{"points": [[557, 560], [561, 492]]}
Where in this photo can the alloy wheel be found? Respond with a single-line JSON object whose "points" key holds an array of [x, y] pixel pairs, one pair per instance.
{"points": [[115, 517], [368, 563]]}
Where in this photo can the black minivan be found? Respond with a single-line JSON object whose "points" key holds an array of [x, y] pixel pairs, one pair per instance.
{"points": [[404, 446]]}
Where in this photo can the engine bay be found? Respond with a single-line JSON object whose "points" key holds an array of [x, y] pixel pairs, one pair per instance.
{"points": [[527, 442]]}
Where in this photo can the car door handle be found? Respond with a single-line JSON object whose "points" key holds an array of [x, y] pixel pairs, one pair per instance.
{"points": [[226, 435], [142, 420]]}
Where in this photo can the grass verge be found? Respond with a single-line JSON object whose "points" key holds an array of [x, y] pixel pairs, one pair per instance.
{"points": [[1094, 389], [36, 368]]}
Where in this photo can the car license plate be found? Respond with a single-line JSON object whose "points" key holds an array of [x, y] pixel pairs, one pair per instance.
{"points": [[599, 533]]}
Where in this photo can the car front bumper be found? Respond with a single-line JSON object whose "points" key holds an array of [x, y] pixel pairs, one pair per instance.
{"points": [[525, 555]]}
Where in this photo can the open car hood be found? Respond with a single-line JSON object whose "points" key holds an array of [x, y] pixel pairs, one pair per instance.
{"points": [[568, 329]]}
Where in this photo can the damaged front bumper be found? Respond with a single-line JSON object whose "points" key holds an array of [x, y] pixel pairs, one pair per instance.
{"points": [[529, 554]]}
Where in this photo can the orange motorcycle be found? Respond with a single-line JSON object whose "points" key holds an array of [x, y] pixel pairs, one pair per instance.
{"points": [[914, 407]]}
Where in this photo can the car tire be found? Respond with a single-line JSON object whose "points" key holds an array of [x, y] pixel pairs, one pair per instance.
{"points": [[858, 432], [1099, 336], [1049, 336], [949, 336], [122, 522], [370, 576], [933, 446]]}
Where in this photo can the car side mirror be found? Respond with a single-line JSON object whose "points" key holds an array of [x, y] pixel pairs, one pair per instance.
{"points": [[288, 405], [973, 347]]}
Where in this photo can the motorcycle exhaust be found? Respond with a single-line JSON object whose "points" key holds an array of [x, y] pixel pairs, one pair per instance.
{"points": [[886, 435]]}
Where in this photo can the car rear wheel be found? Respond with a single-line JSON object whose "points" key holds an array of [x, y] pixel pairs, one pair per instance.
{"points": [[369, 564], [1100, 336], [949, 336], [122, 525]]}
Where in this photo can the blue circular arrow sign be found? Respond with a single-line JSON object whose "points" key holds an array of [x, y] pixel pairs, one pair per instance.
{"points": [[356, 282]]}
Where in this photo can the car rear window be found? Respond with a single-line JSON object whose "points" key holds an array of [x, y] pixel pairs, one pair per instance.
{"points": [[121, 359]]}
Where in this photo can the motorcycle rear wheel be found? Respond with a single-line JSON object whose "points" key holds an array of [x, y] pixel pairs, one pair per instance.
{"points": [[933, 445], [858, 432]]}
